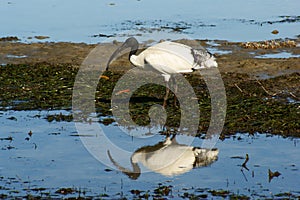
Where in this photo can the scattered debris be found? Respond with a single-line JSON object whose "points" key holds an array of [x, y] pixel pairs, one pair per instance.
{"points": [[12, 118], [59, 117], [163, 190], [122, 91], [135, 192], [102, 35], [221, 193], [269, 44], [245, 162], [236, 85], [9, 147], [30, 133], [104, 77], [7, 138], [265, 88], [65, 191], [273, 174], [54, 133]]}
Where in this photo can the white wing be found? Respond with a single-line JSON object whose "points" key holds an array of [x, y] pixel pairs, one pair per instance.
{"points": [[170, 58]]}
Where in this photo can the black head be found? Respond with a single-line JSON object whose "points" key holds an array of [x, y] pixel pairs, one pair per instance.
{"points": [[129, 43]]}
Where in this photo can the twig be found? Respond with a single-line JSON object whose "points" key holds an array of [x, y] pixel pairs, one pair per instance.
{"points": [[264, 88], [244, 174], [238, 88], [293, 95], [245, 162], [244, 166]]}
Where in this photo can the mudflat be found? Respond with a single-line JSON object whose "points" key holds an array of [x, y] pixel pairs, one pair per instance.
{"points": [[261, 80]]}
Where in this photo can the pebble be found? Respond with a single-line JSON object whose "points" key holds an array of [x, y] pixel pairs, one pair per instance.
{"points": [[269, 44], [275, 32]]}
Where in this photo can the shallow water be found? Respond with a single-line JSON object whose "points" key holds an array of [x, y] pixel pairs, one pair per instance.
{"points": [[93, 22], [54, 157], [278, 55]]}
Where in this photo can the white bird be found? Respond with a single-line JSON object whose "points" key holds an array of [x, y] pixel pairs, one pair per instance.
{"points": [[167, 58], [168, 158]]}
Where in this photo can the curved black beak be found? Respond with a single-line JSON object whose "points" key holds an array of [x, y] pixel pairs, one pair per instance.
{"points": [[129, 43], [132, 174]]}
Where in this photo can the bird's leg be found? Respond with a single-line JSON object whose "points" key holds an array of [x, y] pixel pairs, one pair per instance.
{"points": [[175, 89], [175, 92], [167, 94]]}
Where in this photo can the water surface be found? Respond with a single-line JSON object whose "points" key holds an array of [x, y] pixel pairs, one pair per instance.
{"points": [[54, 157], [94, 21]]}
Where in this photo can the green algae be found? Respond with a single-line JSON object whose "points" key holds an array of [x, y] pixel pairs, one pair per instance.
{"points": [[269, 105], [39, 86]]}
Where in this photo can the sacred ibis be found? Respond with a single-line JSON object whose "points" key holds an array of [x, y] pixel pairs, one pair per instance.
{"points": [[167, 58], [168, 158]]}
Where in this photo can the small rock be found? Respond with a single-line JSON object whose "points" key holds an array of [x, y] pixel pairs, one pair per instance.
{"points": [[12, 118], [30, 133], [9, 39], [41, 37]]}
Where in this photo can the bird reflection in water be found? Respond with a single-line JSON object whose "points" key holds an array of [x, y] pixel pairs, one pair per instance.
{"points": [[168, 158]]}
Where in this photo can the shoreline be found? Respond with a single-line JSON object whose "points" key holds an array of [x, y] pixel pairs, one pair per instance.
{"points": [[253, 58]]}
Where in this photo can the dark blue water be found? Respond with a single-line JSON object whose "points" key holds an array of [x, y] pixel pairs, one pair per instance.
{"points": [[54, 157]]}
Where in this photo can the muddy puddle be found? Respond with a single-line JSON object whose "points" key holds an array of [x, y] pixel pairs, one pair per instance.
{"points": [[48, 159]]}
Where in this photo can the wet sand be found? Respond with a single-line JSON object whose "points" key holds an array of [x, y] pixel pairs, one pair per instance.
{"points": [[236, 57]]}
